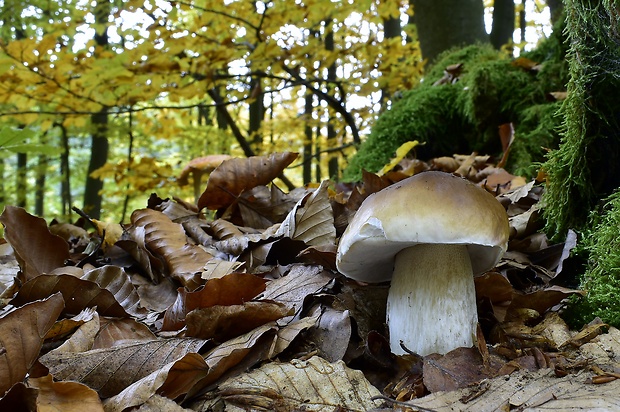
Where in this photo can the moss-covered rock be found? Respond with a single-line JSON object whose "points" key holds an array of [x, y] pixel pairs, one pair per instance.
{"points": [[464, 116]]}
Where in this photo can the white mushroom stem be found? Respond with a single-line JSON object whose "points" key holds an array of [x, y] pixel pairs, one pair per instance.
{"points": [[431, 304]]}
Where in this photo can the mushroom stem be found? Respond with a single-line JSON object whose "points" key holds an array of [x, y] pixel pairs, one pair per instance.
{"points": [[431, 304]]}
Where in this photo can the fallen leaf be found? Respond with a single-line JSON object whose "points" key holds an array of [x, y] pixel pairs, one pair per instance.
{"points": [[232, 289], [235, 176], [111, 370], [64, 396], [313, 384], [78, 294], [311, 220], [222, 323], [36, 249], [21, 337]]}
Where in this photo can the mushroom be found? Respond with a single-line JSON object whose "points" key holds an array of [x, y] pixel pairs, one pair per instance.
{"points": [[430, 234], [197, 168]]}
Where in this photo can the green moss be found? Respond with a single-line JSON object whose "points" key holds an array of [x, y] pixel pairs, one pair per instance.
{"points": [[465, 116], [585, 167], [537, 131], [602, 277]]}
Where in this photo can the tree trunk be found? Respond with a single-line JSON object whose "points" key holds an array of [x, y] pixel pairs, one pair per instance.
{"points": [[448, 23], [555, 8], [257, 113], [99, 125], [308, 138], [39, 193], [21, 183], [503, 22], [98, 158], [391, 29], [332, 162], [65, 171]]}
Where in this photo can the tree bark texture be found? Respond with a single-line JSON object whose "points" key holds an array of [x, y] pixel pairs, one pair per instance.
{"points": [[444, 24]]}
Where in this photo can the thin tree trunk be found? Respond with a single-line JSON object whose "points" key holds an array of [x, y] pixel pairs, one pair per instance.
{"points": [[332, 163], [308, 132], [444, 24], [65, 171], [39, 194], [99, 123], [391, 29], [21, 184], [98, 158], [503, 22]]}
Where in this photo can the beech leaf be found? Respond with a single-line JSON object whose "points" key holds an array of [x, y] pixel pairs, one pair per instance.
{"points": [[36, 249], [111, 370], [311, 220], [21, 337], [313, 384], [237, 175]]}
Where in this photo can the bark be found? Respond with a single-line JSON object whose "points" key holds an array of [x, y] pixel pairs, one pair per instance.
{"points": [[65, 171], [332, 163], [98, 157], [21, 184], [41, 177], [448, 23], [308, 134], [99, 123], [503, 22]]}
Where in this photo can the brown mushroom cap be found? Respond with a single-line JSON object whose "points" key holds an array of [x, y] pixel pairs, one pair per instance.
{"points": [[429, 207], [204, 164]]}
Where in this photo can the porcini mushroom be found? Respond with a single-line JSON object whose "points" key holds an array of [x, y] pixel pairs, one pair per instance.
{"points": [[430, 234], [197, 168]]}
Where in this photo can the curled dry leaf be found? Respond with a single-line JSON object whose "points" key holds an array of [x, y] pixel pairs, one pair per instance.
{"points": [[232, 289], [114, 279], [173, 380], [78, 294], [36, 249], [21, 337], [314, 384], [64, 396], [234, 176], [311, 220], [167, 239], [226, 322], [298, 283], [111, 370]]}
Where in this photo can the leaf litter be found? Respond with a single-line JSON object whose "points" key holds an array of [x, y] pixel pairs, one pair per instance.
{"points": [[246, 311]]}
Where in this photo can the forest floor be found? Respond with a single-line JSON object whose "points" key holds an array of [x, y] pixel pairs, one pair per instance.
{"points": [[179, 310]]}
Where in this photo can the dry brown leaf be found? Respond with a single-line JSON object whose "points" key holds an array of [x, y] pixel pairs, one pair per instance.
{"points": [[313, 384], [64, 396], [226, 322], [237, 355], [232, 289], [298, 283], [114, 279], [263, 206], [111, 370], [168, 239], [173, 380], [114, 330], [332, 333], [235, 176], [36, 249], [79, 294], [218, 268], [458, 368], [311, 220], [21, 337], [540, 391], [83, 338]]}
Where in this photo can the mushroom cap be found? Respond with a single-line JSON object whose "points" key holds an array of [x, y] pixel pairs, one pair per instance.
{"points": [[204, 164], [429, 207]]}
